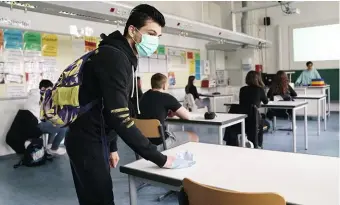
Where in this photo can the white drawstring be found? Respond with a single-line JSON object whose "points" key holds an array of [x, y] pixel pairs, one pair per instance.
{"points": [[134, 83]]}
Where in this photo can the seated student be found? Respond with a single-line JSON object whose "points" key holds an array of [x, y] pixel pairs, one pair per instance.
{"points": [[156, 104], [253, 94], [133, 98], [191, 88], [308, 75], [56, 135], [280, 87]]}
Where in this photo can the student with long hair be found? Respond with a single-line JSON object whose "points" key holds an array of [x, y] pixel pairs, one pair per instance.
{"points": [[253, 94], [191, 89], [280, 87]]}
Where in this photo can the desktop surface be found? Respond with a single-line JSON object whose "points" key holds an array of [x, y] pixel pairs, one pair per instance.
{"points": [[299, 178]]}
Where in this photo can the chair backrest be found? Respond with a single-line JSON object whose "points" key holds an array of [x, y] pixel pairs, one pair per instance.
{"points": [[151, 128], [189, 102], [252, 121], [199, 194]]}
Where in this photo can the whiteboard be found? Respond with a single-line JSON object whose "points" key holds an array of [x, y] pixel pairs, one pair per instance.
{"points": [[143, 65], [158, 65]]}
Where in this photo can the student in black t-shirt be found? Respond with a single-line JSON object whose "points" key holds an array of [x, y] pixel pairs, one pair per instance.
{"points": [[191, 88], [157, 104], [253, 94]]}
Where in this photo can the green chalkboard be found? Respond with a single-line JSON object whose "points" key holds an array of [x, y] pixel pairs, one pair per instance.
{"points": [[330, 76]]}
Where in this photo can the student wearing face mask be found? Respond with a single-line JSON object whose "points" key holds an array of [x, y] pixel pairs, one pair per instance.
{"points": [[55, 134], [108, 76]]}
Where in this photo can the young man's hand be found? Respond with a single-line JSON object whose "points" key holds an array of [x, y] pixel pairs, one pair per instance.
{"points": [[169, 161], [114, 159]]}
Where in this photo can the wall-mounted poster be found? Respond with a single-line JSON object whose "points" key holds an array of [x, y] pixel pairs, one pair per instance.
{"points": [[172, 78], [13, 39], [49, 45]]}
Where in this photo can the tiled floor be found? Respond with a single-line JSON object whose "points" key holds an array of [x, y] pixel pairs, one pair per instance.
{"points": [[52, 184]]}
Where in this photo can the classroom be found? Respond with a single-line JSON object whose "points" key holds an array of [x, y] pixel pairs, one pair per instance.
{"points": [[169, 102]]}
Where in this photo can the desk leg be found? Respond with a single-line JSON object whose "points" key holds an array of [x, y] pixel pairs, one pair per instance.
{"points": [[243, 132], [220, 135], [306, 127], [329, 101], [274, 123], [133, 190], [325, 114], [183, 128], [318, 110], [294, 130]]}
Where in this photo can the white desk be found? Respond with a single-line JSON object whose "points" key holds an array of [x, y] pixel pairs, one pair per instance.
{"points": [[319, 98], [315, 90], [221, 121], [300, 178], [292, 105], [215, 97]]}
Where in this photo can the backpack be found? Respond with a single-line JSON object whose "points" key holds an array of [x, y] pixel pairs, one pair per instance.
{"points": [[34, 154], [60, 104]]}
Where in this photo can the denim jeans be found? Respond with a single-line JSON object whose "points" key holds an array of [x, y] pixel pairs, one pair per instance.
{"points": [[56, 134]]}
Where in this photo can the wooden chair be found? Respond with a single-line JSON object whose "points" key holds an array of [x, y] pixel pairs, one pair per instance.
{"points": [[199, 194], [152, 128]]}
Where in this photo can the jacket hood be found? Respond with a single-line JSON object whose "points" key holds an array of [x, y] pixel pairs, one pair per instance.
{"points": [[116, 39]]}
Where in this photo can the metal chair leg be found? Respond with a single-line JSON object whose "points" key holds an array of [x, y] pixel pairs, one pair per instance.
{"points": [[169, 193], [142, 186]]}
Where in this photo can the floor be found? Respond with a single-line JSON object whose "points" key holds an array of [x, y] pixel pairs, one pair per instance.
{"points": [[52, 184]]}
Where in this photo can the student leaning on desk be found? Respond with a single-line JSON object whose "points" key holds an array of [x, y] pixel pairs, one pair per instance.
{"points": [[308, 75]]}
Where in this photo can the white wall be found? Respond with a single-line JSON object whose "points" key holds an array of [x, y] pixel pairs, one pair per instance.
{"points": [[60, 25], [206, 12], [312, 13]]}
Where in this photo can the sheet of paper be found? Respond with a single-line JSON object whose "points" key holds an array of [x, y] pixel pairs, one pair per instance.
{"points": [[13, 55], [10, 78], [49, 64], [2, 67], [14, 68], [143, 65], [15, 91]]}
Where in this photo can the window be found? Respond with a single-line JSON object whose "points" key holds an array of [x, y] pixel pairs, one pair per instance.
{"points": [[318, 43]]}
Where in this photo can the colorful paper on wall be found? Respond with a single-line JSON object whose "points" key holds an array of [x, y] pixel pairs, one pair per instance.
{"points": [[161, 50], [172, 78], [183, 57], [190, 55], [32, 41], [49, 45], [90, 43], [13, 39], [191, 67], [1, 39], [198, 69], [197, 56]]}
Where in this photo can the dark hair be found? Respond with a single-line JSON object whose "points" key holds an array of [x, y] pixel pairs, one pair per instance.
{"points": [[308, 63], [280, 83], [138, 78], [45, 84], [253, 78], [190, 83], [140, 14], [157, 81]]}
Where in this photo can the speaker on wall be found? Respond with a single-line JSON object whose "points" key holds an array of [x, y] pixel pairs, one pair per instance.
{"points": [[266, 21]]}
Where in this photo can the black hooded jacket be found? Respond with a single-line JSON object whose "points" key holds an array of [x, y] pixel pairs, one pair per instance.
{"points": [[108, 75]]}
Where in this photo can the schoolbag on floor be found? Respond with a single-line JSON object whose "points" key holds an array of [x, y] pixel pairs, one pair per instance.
{"points": [[60, 105], [34, 154]]}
